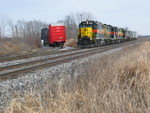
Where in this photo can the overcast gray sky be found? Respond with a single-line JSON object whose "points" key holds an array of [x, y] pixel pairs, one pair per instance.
{"points": [[133, 14]]}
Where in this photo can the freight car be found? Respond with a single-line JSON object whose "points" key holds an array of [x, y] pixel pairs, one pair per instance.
{"points": [[55, 35], [93, 33]]}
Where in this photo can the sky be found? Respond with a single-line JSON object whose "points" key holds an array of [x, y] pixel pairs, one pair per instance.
{"points": [[134, 14]]}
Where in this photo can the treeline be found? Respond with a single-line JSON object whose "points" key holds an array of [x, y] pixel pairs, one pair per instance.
{"points": [[22, 32]]}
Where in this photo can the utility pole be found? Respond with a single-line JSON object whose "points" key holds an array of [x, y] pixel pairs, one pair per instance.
{"points": [[81, 17]]}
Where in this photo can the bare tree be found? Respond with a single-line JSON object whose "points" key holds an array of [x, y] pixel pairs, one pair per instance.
{"points": [[83, 16], [71, 26], [27, 31], [3, 25]]}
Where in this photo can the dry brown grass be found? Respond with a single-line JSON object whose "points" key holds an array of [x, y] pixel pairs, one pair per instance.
{"points": [[118, 83], [10, 47], [16, 46], [71, 42]]}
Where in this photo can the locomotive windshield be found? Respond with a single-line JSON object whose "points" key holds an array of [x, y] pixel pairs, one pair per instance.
{"points": [[88, 24]]}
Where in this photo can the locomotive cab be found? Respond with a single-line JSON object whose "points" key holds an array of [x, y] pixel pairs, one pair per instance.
{"points": [[86, 33], [122, 34]]}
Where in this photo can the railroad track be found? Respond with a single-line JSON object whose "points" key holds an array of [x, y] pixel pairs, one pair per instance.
{"points": [[45, 59], [15, 70], [16, 56]]}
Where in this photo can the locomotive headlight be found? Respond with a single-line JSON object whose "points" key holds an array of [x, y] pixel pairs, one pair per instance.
{"points": [[42, 42]]}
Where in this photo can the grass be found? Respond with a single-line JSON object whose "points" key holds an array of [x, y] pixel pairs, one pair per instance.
{"points": [[17, 45], [71, 42], [117, 83]]}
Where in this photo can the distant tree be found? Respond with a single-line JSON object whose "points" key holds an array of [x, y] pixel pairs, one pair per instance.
{"points": [[71, 26], [126, 28], [3, 25], [28, 31], [83, 16]]}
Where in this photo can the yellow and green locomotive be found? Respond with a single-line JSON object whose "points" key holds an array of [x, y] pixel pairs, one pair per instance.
{"points": [[90, 33], [94, 33]]}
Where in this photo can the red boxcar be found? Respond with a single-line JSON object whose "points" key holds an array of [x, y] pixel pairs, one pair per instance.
{"points": [[55, 35]]}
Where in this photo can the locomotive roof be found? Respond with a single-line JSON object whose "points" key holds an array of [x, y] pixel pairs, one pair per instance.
{"points": [[96, 22]]}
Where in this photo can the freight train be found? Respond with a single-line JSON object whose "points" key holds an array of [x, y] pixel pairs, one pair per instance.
{"points": [[94, 33], [54, 35]]}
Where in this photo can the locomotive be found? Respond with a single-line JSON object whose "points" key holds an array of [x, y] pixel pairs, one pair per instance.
{"points": [[54, 35], [94, 33]]}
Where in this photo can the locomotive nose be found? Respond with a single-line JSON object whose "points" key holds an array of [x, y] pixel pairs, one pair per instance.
{"points": [[86, 32]]}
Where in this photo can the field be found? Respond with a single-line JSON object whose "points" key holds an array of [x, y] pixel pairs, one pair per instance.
{"points": [[116, 83], [20, 46], [16, 46]]}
